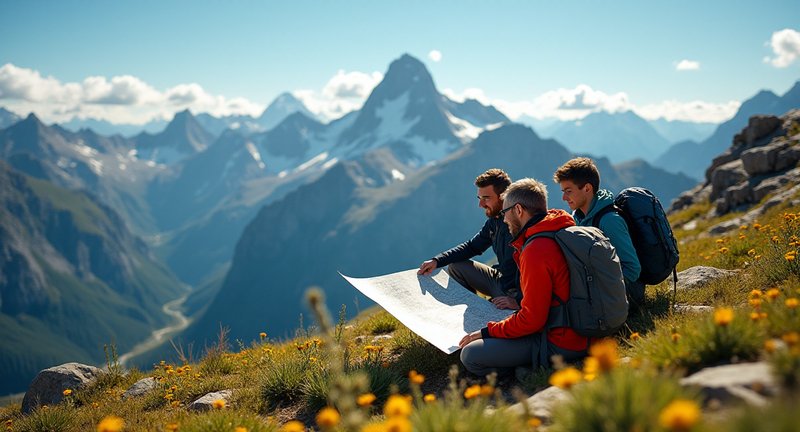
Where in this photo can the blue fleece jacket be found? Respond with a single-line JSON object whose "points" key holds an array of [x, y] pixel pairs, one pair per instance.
{"points": [[615, 228]]}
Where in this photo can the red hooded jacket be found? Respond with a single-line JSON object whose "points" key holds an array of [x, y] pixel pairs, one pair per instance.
{"points": [[542, 272]]}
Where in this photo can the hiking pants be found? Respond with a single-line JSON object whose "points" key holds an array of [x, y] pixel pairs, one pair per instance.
{"points": [[476, 276], [484, 356]]}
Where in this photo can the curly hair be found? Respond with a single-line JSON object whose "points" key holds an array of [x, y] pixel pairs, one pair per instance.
{"points": [[494, 177]]}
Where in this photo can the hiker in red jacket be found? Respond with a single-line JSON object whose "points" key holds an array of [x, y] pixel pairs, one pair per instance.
{"points": [[519, 339]]}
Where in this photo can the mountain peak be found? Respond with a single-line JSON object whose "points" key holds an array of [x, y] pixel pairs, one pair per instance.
{"points": [[408, 71], [280, 108]]}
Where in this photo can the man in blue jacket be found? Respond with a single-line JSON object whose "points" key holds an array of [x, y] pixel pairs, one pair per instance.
{"points": [[501, 281], [579, 179]]}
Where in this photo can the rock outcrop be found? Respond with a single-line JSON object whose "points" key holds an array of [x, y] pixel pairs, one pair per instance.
{"points": [[761, 161], [48, 387]]}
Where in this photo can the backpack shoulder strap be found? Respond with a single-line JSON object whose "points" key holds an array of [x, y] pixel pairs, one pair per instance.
{"points": [[603, 211], [548, 234]]}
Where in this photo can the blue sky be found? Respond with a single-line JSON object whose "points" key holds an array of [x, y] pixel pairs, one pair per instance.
{"points": [[523, 56]]}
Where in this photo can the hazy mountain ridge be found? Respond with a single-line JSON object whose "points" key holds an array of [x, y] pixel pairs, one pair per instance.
{"points": [[72, 278], [693, 158], [363, 230]]}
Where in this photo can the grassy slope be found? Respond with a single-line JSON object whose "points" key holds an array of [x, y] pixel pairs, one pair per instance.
{"points": [[280, 380]]}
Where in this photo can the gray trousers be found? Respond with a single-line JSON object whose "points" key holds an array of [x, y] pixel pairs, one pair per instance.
{"points": [[476, 276], [484, 356]]}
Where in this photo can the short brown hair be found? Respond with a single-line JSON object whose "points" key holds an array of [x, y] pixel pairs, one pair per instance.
{"points": [[530, 193], [580, 171], [494, 177]]}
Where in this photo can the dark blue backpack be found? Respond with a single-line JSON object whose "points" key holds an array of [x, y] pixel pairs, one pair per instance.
{"points": [[650, 232]]}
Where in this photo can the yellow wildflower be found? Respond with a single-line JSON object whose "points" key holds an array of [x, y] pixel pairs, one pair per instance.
{"points": [[472, 391], [590, 368], [374, 427], [720, 241], [429, 398], [791, 338], [262, 335], [175, 404], [168, 396], [397, 406], [95, 404], [293, 426], [635, 336], [742, 227], [770, 345], [775, 239], [534, 422], [755, 302], [565, 378], [773, 293], [605, 351], [679, 415], [723, 316], [791, 302], [398, 424], [218, 404], [675, 337], [416, 378], [751, 252], [110, 424], [365, 399], [171, 426], [723, 250], [790, 256], [328, 417], [756, 226], [487, 390], [240, 429], [67, 392], [755, 316]]}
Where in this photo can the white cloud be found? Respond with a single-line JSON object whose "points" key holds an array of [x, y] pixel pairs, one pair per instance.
{"points": [[786, 47], [578, 102], [693, 111], [435, 56], [344, 92], [28, 84], [687, 65], [120, 99]]}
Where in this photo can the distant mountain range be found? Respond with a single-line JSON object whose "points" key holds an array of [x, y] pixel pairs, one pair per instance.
{"points": [[693, 158], [71, 279], [370, 227], [257, 209]]}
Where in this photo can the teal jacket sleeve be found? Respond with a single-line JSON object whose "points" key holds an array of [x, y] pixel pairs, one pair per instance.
{"points": [[616, 230]]}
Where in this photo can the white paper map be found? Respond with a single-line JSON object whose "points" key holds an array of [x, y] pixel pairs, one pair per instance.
{"points": [[435, 307]]}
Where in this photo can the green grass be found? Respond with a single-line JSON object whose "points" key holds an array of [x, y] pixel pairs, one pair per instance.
{"points": [[277, 381]]}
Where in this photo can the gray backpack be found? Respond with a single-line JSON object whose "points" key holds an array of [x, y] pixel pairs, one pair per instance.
{"points": [[597, 305]]}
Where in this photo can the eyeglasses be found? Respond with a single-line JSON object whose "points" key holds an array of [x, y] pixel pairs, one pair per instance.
{"points": [[505, 210]]}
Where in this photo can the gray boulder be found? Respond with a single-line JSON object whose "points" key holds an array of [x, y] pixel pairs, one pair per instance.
{"points": [[758, 127], [698, 276], [49, 385], [751, 383], [206, 402], [141, 387], [541, 404], [764, 159], [725, 176]]}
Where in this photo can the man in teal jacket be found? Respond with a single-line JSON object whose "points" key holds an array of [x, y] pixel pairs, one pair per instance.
{"points": [[579, 179]]}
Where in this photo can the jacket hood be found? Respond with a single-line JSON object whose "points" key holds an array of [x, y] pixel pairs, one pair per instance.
{"points": [[602, 199], [555, 220]]}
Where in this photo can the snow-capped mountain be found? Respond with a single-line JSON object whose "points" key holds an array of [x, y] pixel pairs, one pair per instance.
{"points": [[406, 113], [7, 118], [282, 107], [183, 137]]}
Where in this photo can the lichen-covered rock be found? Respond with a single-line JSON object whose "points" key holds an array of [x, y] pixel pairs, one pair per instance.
{"points": [[698, 276], [748, 382], [206, 402], [49, 385], [141, 387]]}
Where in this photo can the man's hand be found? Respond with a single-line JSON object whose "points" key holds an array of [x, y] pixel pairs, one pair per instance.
{"points": [[505, 303], [427, 267], [469, 338]]}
